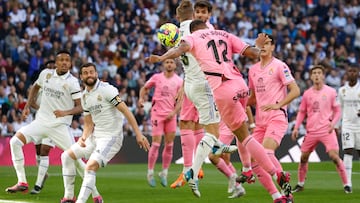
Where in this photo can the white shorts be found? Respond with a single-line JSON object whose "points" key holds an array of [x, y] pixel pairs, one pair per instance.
{"points": [[100, 149], [350, 139], [36, 131], [46, 141], [203, 99]]}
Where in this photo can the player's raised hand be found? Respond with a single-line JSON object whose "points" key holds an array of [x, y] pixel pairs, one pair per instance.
{"points": [[261, 40], [141, 102]]}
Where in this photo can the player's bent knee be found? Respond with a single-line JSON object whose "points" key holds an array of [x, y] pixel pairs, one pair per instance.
{"points": [[101, 161], [65, 157], [92, 165]]}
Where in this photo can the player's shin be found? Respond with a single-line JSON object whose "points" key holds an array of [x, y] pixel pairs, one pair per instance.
{"points": [[202, 151], [87, 186], [17, 156], [69, 173]]}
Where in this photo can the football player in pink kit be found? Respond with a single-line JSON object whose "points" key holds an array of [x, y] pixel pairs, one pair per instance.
{"points": [[163, 117], [272, 87], [213, 49], [322, 112]]}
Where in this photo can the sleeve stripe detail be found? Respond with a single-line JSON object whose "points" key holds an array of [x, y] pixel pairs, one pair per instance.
{"points": [[75, 92], [116, 100]]}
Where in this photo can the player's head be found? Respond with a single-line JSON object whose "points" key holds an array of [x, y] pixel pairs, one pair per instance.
{"points": [[197, 25], [88, 74], [353, 72], [63, 62], [269, 47], [184, 11], [202, 10], [50, 64], [317, 74], [169, 65]]}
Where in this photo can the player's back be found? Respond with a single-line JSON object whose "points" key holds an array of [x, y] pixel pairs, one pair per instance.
{"points": [[213, 50]]}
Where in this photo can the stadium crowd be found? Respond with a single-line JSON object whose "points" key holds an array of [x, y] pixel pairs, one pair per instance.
{"points": [[118, 35]]}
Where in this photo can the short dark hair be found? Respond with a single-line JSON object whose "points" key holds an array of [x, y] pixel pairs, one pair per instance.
{"points": [[49, 62], [321, 67], [85, 65], [202, 4], [64, 51], [272, 38], [195, 24], [354, 65]]}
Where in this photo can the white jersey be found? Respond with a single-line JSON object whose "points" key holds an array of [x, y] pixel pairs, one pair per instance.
{"points": [[58, 93], [349, 98], [100, 103], [192, 70]]}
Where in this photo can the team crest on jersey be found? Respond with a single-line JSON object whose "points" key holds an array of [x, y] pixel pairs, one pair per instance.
{"points": [[65, 86], [99, 98], [271, 71], [343, 91], [48, 76], [323, 97], [84, 98]]}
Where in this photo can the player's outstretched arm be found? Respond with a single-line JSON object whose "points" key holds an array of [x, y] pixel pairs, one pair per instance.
{"points": [[140, 138], [171, 53]]}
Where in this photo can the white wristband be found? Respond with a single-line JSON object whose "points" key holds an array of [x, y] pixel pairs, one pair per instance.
{"points": [[252, 125]]}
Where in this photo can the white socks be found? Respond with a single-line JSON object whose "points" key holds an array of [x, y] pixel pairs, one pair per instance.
{"points": [[42, 169], [202, 151], [17, 156], [87, 186], [348, 159]]}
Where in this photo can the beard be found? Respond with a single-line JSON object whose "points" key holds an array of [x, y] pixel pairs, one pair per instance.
{"points": [[90, 81]]}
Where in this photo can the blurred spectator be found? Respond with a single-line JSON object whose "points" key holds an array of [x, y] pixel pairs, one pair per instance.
{"points": [[75, 131]]}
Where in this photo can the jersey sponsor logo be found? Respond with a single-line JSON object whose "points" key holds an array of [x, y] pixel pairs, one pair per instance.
{"points": [[240, 95], [95, 109], [260, 86], [49, 92], [316, 107]]}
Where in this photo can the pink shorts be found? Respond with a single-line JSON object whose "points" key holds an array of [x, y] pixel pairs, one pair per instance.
{"points": [[274, 129], [188, 111], [230, 98], [161, 126], [311, 141], [226, 136]]}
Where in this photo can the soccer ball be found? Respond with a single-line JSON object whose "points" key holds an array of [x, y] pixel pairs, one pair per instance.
{"points": [[168, 34]]}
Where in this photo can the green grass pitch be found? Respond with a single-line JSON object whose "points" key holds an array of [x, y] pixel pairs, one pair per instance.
{"points": [[126, 183]]}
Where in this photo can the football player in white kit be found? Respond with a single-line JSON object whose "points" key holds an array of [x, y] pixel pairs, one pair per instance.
{"points": [[103, 129], [60, 100], [349, 97]]}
